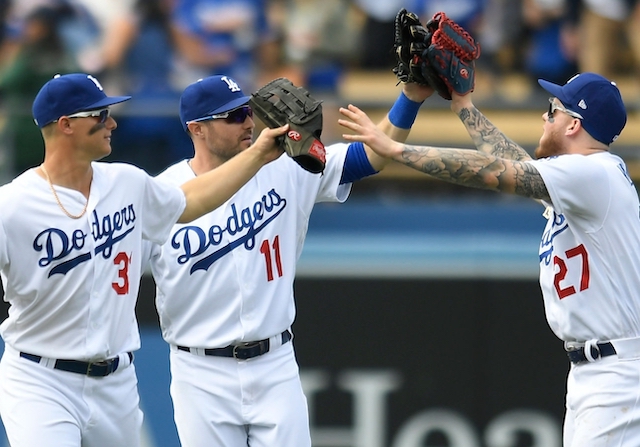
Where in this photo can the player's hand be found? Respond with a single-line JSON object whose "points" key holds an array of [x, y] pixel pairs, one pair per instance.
{"points": [[417, 92], [266, 145], [365, 131]]}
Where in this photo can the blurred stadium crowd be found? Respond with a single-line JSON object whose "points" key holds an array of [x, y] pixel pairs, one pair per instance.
{"points": [[152, 49]]}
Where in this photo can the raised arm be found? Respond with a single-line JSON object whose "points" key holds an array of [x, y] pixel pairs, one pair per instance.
{"points": [[460, 166], [486, 137], [397, 123]]}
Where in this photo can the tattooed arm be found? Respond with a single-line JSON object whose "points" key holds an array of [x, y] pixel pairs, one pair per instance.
{"points": [[460, 166], [486, 137], [474, 169]]}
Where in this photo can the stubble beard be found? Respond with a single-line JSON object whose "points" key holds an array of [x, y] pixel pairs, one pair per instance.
{"points": [[549, 147], [229, 151]]}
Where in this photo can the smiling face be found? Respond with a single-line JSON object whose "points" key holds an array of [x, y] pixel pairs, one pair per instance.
{"points": [[93, 135]]}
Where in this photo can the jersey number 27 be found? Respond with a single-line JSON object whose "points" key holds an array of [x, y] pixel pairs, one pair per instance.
{"points": [[568, 289]]}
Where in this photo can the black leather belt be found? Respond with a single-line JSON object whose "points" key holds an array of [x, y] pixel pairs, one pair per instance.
{"points": [[244, 351], [92, 369], [599, 350]]}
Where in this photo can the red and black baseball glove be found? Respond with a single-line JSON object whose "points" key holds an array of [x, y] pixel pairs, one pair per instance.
{"points": [[440, 54]]}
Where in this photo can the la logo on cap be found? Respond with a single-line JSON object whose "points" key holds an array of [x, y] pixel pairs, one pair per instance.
{"points": [[233, 86], [96, 82]]}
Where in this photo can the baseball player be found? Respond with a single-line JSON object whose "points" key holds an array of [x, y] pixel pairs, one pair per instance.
{"points": [[225, 281], [590, 248], [71, 234]]}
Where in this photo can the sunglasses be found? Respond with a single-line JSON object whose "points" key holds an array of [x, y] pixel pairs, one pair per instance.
{"points": [[103, 114], [553, 107], [236, 116]]}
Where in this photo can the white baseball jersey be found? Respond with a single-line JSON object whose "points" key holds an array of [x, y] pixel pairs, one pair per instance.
{"points": [[227, 277], [73, 283], [590, 249]]}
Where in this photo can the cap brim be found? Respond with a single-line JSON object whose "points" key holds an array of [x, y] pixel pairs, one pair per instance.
{"points": [[106, 102], [232, 105], [554, 89]]}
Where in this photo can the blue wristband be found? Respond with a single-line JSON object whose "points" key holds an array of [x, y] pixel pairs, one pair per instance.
{"points": [[403, 112]]}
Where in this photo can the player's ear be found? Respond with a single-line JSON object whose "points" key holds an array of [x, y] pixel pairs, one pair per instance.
{"points": [[574, 126], [195, 129], [64, 125]]}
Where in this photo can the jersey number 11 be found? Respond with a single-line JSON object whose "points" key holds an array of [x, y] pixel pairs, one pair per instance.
{"points": [[266, 249]]}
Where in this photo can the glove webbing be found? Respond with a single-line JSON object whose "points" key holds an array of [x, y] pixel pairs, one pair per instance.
{"points": [[448, 35], [297, 107]]}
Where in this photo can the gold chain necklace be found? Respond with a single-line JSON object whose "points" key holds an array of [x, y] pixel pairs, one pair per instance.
{"points": [[55, 194]]}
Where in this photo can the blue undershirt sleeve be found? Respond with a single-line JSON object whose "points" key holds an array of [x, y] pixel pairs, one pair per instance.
{"points": [[356, 164]]}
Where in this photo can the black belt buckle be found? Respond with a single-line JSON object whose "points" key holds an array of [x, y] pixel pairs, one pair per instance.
{"points": [[249, 350], [102, 368]]}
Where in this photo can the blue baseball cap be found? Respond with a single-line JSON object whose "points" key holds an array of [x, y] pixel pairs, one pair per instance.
{"points": [[597, 99], [210, 96], [68, 94]]}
